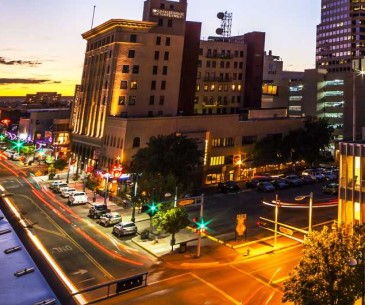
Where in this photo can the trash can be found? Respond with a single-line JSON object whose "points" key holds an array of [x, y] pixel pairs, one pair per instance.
{"points": [[145, 234], [182, 248]]}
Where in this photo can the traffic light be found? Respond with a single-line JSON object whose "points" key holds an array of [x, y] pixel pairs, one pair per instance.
{"points": [[152, 209], [201, 225], [261, 223]]}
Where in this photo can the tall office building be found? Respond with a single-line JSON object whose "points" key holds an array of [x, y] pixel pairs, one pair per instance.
{"points": [[340, 51], [136, 69]]}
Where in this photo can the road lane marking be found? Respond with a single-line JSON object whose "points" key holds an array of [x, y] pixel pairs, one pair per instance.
{"points": [[226, 295]]}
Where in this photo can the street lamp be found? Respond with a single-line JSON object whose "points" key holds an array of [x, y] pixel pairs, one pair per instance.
{"points": [[133, 219], [106, 176], [353, 263], [68, 170], [310, 196]]}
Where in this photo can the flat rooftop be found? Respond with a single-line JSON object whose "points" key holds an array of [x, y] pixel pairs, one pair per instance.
{"points": [[30, 288]]}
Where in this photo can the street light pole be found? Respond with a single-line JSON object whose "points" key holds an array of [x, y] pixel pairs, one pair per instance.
{"points": [[106, 189], [310, 212], [353, 105], [68, 170], [200, 232], [133, 219], [276, 218]]}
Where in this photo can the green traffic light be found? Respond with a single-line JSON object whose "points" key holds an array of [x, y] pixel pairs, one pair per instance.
{"points": [[202, 225]]}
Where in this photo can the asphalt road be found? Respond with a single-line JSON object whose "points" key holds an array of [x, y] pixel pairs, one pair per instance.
{"points": [[89, 254]]}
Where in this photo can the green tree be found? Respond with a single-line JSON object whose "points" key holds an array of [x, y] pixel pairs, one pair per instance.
{"points": [[60, 164], [323, 275], [166, 162], [171, 221], [267, 150]]}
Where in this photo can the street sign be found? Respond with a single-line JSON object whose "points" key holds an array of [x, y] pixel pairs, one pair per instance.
{"points": [[286, 231], [185, 202]]}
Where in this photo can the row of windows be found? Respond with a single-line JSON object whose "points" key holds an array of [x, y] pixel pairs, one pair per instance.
{"points": [[167, 41], [219, 88], [219, 100], [100, 43], [222, 64], [113, 141], [222, 77], [223, 142], [134, 85], [333, 33], [334, 25], [132, 100], [222, 53], [334, 18]]}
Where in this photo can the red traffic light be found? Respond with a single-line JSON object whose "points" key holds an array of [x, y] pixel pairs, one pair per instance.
{"points": [[195, 219], [260, 223]]}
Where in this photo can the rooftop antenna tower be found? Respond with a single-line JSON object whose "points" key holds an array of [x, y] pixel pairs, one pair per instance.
{"points": [[92, 20], [226, 24]]}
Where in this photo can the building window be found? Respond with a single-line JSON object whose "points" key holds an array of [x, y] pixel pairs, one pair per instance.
{"points": [[164, 70], [154, 70], [158, 40], [157, 55], [207, 64], [162, 100], [132, 100], [133, 85], [223, 142], [168, 41], [214, 64], [249, 140], [217, 160], [169, 23], [166, 56], [152, 100], [106, 85], [135, 69], [125, 69], [163, 85], [153, 85], [133, 38], [121, 100], [136, 142], [160, 22], [131, 53], [206, 88], [197, 88], [123, 84], [196, 100], [160, 113]]}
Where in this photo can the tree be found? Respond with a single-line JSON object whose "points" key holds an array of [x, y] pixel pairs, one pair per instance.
{"points": [[166, 162], [171, 221], [267, 150], [323, 275]]}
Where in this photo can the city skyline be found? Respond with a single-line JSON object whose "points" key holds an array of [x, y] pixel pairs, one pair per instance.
{"points": [[44, 51]]}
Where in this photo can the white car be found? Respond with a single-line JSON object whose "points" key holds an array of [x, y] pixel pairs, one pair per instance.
{"points": [[9, 152], [56, 183], [66, 192], [77, 198], [109, 219]]}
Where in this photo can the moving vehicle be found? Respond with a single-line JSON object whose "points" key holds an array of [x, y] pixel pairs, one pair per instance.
{"points": [[109, 219], [125, 228], [9, 152], [331, 188], [228, 186], [97, 210], [77, 198]]}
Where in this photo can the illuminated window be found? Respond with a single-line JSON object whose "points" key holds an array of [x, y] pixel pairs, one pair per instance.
{"points": [[212, 87], [233, 87], [239, 87], [133, 85], [197, 88], [206, 88], [216, 160]]}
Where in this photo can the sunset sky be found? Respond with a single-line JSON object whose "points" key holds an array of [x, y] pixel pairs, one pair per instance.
{"points": [[41, 48]]}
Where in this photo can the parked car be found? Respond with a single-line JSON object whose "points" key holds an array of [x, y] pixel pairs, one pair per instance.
{"points": [[294, 180], [265, 187], [331, 188], [319, 176], [309, 179], [253, 182], [55, 183], [280, 184], [125, 228], [77, 198], [109, 219], [228, 186], [57, 189], [98, 210], [330, 176], [15, 157], [67, 192], [9, 153]]}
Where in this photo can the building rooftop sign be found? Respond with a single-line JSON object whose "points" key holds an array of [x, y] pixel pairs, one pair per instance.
{"points": [[169, 14]]}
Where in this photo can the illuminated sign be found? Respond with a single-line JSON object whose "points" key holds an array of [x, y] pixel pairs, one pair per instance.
{"points": [[117, 171], [169, 14]]}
